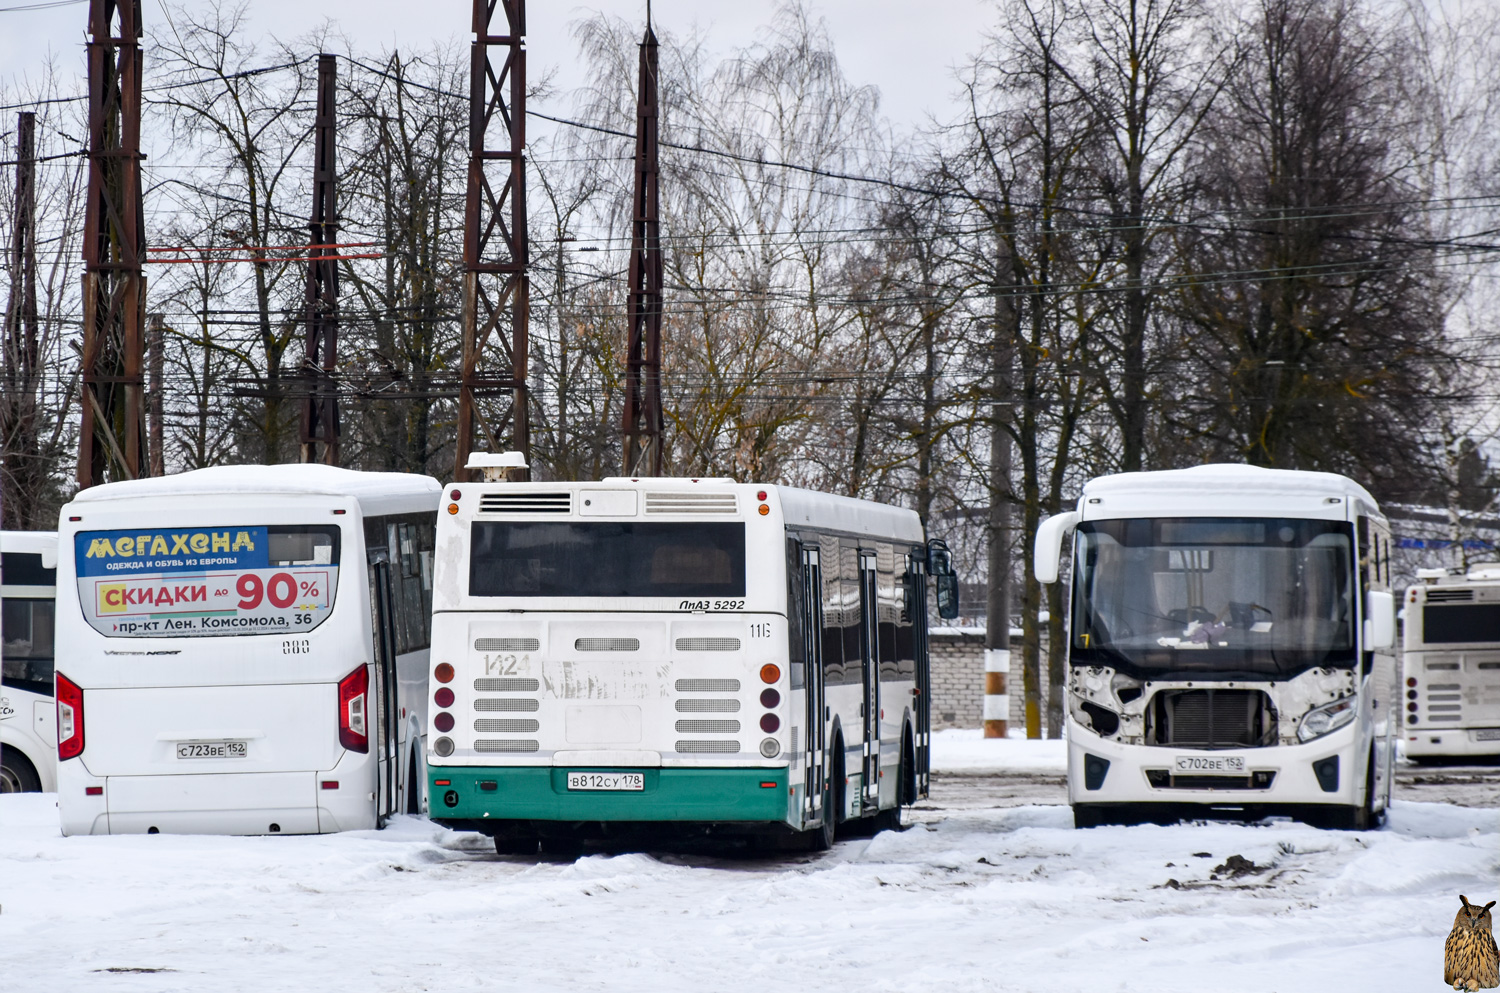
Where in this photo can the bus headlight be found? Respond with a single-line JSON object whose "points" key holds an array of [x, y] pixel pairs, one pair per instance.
{"points": [[1326, 719], [770, 748]]}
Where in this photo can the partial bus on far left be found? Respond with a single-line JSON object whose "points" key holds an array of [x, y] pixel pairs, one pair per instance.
{"points": [[28, 737], [244, 651]]}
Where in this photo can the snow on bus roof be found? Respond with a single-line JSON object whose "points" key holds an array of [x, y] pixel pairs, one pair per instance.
{"points": [[841, 513], [320, 480], [1229, 478]]}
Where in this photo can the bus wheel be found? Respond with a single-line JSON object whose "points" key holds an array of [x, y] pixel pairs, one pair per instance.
{"points": [[820, 838], [17, 774], [413, 788], [1086, 815], [515, 845]]}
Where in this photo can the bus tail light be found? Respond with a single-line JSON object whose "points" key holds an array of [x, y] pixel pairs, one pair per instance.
{"points": [[353, 692], [69, 718]]}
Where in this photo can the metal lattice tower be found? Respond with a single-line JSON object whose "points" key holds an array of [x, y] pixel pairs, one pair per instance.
{"points": [[642, 427], [320, 409], [114, 288], [496, 286]]}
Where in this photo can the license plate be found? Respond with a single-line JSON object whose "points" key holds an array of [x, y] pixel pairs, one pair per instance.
{"points": [[607, 781], [1487, 734], [211, 750], [1230, 764]]}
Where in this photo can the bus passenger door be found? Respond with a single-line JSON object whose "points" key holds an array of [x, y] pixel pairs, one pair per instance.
{"points": [[916, 585], [870, 669], [814, 772], [384, 739]]}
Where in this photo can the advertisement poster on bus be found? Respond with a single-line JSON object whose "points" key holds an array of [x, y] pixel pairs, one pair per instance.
{"points": [[192, 582]]}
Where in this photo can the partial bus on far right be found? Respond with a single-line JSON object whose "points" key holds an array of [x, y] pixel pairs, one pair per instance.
{"points": [[1451, 700]]}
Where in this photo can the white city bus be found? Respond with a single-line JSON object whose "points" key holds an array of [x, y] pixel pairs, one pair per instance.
{"points": [[1451, 660], [28, 740], [244, 650], [617, 655], [1230, 647]]}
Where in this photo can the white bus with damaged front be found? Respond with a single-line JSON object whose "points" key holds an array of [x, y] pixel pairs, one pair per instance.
{"points": [[1230, 650]]}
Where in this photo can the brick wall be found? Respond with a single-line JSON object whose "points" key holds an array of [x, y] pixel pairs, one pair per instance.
{"points": [[957, 656]]}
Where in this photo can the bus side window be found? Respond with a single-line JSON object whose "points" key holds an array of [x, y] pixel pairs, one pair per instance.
{"points": [[833, 613], [853, 615], [887, 610], [796, 605], [905, 631]]}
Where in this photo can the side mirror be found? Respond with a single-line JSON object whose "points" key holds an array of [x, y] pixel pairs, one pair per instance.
{"points": [[947, 595], [939, 559], [1380, 620], [1049, 538]]}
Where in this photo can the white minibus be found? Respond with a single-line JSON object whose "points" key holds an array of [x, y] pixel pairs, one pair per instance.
{"points": [[244, 650], [1230, 648], [28, 740]]}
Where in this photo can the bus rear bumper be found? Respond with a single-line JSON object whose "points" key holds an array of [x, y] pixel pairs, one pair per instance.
{"points": [[1449, 743], [1137, 774], [243, 804], [467, 797]]}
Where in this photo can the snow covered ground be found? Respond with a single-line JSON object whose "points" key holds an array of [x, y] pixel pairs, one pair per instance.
{"points": [[967, 752], [967, 899]]}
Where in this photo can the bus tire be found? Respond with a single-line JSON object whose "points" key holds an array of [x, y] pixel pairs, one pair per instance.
{"points": [[1087, 815], [890, 820], [17, 774], [413, 789], [515, 845], [820, 838], [836, 786]]}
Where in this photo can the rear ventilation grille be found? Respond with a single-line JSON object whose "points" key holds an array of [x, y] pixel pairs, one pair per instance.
{"points": [[1449, 596], [507, 645], [793, 749], [526, 503], [508, 685], [507, 705], [708, 644], [708, 686], [708, 727], [1442, 666], [502, 745], [497, 725], [708, 706], [607, 644], [679, 502], [719, 747]]}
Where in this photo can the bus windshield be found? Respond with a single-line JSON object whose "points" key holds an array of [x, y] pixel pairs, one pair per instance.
{"points": [[199, 582], [1224, 595], [557, 559]]}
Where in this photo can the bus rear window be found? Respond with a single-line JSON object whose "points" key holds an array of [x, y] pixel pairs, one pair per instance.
{"points": [[1461, 624], [657, 559], [206, 582]]}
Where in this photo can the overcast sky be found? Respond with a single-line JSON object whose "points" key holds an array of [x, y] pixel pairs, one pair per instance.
{"points": [[906, 50]]}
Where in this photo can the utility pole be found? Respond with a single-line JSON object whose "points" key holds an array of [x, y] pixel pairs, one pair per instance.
{"points": [[997, 605], [495, 344], [642, 450], [156, 353], [114, 241], [21, 469], [320, 410]]}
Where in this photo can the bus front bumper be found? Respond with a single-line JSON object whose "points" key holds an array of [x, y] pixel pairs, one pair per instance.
{"points": [[468, 796], [1292, 775]]}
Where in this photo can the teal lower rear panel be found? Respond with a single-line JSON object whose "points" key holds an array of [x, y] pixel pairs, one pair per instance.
{"points": [[541, 793]]}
